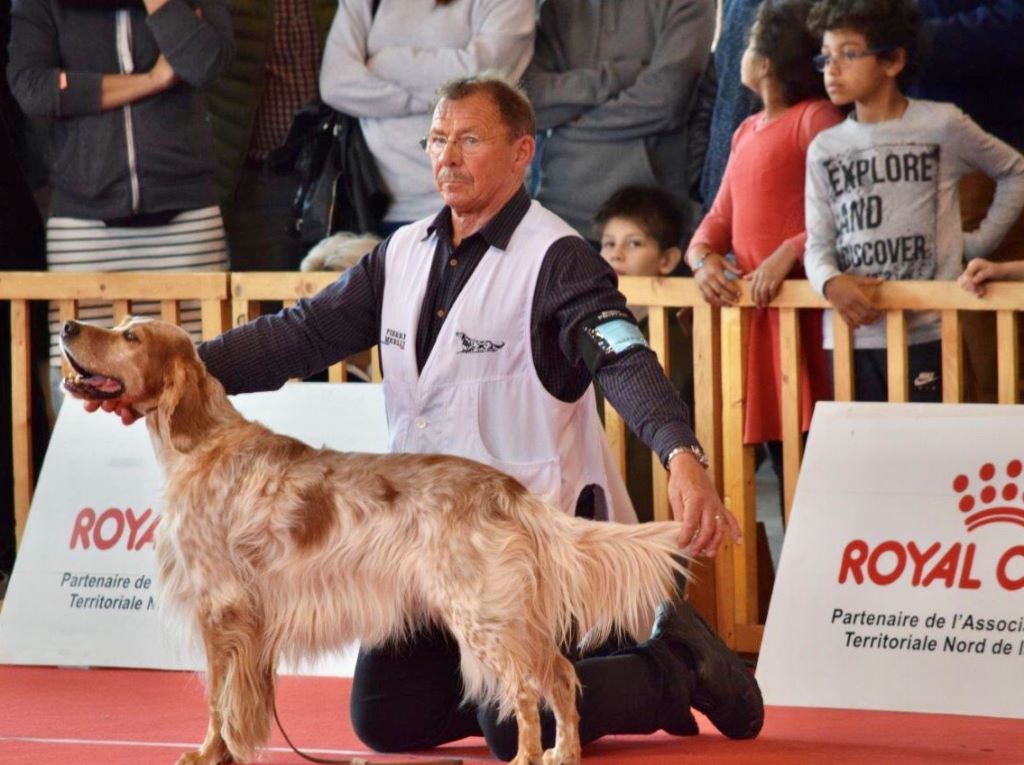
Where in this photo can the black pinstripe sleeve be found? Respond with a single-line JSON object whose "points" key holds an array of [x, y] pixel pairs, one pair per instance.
{"points": [[575, 287], [340, 320]]}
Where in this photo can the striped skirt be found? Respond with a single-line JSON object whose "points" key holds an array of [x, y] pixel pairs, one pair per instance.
{"points": [[192, 241]]}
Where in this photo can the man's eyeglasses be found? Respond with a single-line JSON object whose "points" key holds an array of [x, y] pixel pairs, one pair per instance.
{"points": [[467, 145], [845, 58]]}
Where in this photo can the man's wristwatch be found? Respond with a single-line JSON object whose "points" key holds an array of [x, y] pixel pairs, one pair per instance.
{"points": [[695, 450]]}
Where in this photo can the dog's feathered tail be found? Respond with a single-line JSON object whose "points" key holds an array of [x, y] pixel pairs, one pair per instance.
{"points": [[609, 578], [592, 580]]}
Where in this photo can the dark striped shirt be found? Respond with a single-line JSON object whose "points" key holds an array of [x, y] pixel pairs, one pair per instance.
{"points": [[292, 69], [574, 286]]}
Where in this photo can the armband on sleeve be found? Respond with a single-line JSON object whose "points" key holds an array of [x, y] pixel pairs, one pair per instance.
{"points": [[607, 335]]}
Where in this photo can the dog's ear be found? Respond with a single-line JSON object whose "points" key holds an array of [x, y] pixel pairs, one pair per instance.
{"points": [[183, 405]]}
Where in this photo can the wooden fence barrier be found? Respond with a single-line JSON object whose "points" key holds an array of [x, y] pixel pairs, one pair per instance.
{"points": [[719, 368], [728, 590]]}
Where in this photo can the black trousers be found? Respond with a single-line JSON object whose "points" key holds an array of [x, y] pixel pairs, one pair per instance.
{"points": [[408, 697], [870, 373]]}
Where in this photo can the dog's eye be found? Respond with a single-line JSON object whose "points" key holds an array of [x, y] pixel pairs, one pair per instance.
{"points": [[130, 336]]}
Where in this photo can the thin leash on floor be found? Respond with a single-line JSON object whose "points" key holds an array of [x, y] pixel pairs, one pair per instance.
{"points": [[361, 760]]}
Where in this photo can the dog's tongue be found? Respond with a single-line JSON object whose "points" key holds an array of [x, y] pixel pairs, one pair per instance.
{"points": [[101, 383]]}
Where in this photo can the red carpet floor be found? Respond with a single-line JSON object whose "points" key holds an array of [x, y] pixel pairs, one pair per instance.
{"points": [[120, 717]]}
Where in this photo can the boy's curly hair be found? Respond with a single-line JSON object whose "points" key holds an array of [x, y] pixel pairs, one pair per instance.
{"points": [[885, 24], [650, 207], [780, 35]]}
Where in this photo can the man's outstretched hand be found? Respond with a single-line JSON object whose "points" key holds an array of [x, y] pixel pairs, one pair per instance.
{"points": [[124, 411], [696, 504]]}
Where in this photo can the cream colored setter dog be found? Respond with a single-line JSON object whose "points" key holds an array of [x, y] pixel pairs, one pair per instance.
{"points": [[275, 549]]}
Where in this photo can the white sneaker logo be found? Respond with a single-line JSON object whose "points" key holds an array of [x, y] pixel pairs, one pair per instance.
{"points": [[924, 379]]}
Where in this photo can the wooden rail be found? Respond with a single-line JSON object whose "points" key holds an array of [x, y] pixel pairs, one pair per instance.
{"points": [[728, 589]]}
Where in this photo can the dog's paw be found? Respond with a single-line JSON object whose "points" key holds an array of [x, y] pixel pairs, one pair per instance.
{"points": [[558, 756], [206, 757], [524, 759]]}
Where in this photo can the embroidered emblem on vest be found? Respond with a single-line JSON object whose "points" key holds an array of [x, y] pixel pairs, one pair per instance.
{"points": [[394, 337], [470, 345]]}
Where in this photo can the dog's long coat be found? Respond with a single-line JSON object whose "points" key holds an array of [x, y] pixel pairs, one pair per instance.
{"points": [[275, 549]]}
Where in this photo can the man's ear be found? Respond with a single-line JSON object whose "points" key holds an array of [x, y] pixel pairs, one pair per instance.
{"points": [[526, 147], [669, 261]]}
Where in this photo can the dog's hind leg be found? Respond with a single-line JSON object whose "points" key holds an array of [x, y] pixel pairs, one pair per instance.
{"points": [[561, 697], [493, 666], [528, 721]]}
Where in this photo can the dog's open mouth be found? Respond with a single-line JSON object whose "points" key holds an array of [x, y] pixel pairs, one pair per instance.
{"points": [[86, 384]]}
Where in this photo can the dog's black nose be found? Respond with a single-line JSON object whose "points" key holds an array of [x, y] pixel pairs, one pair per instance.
{"points": [[70, 329]]}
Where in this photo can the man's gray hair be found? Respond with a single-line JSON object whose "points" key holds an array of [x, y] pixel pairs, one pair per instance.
{"points": [[511, 100]]}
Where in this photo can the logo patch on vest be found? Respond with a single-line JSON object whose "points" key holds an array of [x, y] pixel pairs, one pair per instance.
{"points": [[394, 337], [472, 345]]}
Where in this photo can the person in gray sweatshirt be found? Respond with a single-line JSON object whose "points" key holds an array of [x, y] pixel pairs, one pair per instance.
{"points": [[882, 196], [613, 83], [384, 60]]}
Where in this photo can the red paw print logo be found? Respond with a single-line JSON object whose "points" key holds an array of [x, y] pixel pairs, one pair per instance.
{"points": [[994, 498]]}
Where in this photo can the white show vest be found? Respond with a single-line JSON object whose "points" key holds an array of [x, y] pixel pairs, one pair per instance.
{"points": [[479, 395]]}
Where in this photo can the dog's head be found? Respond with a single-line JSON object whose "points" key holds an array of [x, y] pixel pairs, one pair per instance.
{"points": [[148, 365]]}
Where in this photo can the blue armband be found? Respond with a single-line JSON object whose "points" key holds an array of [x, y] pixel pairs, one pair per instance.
{"points": [[609, 335]]}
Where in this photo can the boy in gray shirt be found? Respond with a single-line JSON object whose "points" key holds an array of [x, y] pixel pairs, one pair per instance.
{"points": [[881, 192]]}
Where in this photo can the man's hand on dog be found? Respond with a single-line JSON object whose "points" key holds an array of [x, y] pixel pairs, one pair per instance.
{"points": [[696, 504], [123, 410]]}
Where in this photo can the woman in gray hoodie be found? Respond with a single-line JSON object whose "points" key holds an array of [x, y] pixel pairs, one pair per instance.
{"points": [[120, 84]]}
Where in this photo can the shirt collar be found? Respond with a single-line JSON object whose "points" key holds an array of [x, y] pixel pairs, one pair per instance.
{"points": [[497, 232]]}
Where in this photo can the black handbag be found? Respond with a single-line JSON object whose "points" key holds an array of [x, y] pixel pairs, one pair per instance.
{"points": [[340, 187]]}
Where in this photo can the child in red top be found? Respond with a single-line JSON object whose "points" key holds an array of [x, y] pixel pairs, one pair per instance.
{"points": [[759, 213]]}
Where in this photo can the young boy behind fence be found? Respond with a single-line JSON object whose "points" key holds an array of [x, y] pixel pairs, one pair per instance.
{"points": [[639, 232], [881, 195]]}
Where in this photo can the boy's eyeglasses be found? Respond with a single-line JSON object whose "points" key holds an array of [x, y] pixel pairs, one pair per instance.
{"points": [[845, 58]]}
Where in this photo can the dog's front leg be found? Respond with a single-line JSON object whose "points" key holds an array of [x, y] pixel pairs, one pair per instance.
{"points": [[240, 687], [246, 698], [214, 751]]}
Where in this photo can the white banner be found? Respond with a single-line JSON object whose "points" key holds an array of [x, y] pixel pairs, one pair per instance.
{"points": [[83, 591], [901, 582]]}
